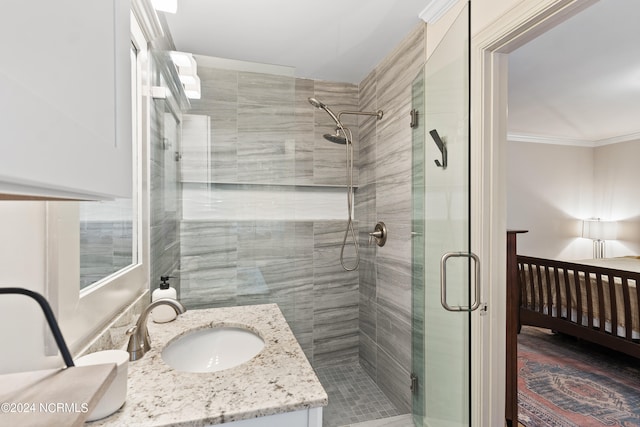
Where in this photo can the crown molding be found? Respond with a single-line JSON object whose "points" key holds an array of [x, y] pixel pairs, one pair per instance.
{"points": [[435, 10], [549, 139], [618, 139], [560, 140]]}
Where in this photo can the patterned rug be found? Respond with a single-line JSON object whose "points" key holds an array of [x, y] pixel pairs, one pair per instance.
{"points": [[563, 382]]}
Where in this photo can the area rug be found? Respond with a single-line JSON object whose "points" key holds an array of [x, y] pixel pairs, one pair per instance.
{"points": [[563, 382]]}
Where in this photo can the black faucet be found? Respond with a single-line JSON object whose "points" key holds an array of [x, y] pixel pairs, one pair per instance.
{"points": [[48, 313]]}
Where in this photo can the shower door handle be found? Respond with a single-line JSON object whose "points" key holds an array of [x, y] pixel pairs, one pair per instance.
{"points": [[443, 281]]}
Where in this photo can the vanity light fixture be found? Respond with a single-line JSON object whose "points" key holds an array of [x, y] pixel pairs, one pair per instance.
{"points": [[170, 6], [188, 73], [599, 231], [192, 89], [182, 59]]}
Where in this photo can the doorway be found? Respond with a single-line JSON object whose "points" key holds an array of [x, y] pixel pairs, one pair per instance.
{"points": [[559, 151], [489, 100], [490, 51]]}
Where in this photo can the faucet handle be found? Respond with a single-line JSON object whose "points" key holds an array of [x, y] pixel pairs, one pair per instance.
{"points": [[374, 235], [134, 345], [379, 234]]}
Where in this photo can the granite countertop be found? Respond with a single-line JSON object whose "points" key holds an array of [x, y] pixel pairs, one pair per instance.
{"points": [[278, 380]]}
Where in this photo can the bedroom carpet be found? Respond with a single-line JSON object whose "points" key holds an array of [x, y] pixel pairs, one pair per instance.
{"points": [[563, 382]]}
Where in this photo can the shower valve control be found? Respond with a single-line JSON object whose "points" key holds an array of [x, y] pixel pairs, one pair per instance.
{"points": [[379, 234]]}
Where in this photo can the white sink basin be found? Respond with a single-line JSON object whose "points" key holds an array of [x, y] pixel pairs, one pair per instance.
{"points": [[212, 349]]}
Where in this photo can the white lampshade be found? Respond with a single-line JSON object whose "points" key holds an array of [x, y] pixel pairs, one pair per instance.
{"points": [[595, 229]]}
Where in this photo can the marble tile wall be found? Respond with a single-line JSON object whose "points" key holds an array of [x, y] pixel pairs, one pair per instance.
{"points": [[292, 263], [385, 195], [265, 223], [264, 131]]}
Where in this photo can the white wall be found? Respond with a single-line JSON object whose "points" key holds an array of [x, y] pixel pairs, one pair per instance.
{"points": [[551, 188], [22, 264], [549, 192], [616, 194], [39, 251]]}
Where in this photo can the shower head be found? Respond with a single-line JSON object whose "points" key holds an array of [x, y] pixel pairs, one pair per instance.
{"points": [[316, 103], [340, 137], [336, 139]]}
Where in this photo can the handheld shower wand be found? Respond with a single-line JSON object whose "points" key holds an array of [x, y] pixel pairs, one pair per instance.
{"points": [[349, 149], [316, 103], [344, 136]]}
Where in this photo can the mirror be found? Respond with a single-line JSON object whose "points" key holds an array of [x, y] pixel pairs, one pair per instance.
{"points": [[106, 239]]}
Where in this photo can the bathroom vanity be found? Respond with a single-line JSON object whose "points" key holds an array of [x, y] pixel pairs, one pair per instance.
{"points": [[276, 387]]}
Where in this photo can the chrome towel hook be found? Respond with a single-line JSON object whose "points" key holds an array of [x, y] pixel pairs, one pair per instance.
{"points": [[443, 149]]}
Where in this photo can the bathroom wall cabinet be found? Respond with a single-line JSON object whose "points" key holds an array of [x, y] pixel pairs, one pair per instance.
{"points": [[65, 99]]}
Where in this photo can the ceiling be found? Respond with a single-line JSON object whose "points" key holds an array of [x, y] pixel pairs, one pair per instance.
{"points": [[336, 40], [580, 82], [577, 82]]}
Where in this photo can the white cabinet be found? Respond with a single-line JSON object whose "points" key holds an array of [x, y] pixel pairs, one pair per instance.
{"points": [[65, 98], [311, 417]]}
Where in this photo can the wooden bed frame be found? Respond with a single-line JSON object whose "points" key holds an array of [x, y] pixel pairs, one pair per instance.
{"points": [[544, 308]]}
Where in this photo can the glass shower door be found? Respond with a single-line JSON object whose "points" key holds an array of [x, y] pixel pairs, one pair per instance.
{"points": [[441, 350]]}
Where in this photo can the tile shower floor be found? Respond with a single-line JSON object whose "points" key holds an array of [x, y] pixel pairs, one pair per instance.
{"points": [[353, 396]]}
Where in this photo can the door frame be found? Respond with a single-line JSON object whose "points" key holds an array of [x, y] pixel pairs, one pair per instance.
{"points": [[489, 83]]}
